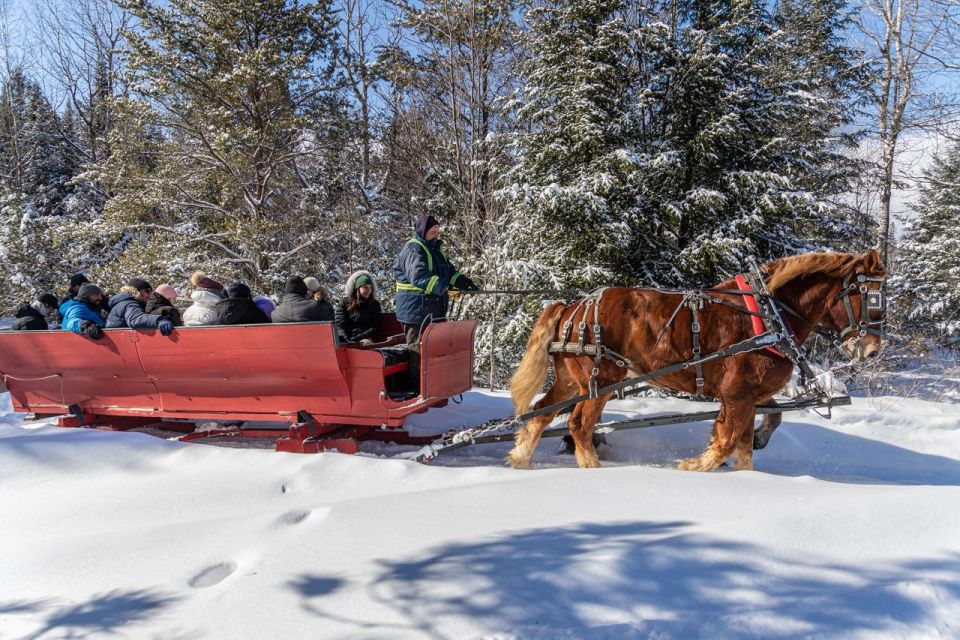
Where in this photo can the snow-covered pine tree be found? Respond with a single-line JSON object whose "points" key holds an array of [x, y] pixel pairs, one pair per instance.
{"points": [[572, 193], [226, 83], [819, 81], [745, 155], [927, 274], [35, 190]]}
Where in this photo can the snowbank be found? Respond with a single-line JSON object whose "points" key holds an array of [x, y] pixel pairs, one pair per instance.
{"points": [[848, 528]]}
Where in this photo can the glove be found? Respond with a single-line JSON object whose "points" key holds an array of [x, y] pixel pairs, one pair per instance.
{"points": [[464, 283], [165, 327], [91, 330], [454, 294]]}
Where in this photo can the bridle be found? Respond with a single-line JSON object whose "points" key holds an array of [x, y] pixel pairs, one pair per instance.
{"points": [[871, 300]]}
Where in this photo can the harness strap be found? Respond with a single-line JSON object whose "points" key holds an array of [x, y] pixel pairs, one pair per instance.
{"points": [[695, 305], [744, 346], [598, 358]]}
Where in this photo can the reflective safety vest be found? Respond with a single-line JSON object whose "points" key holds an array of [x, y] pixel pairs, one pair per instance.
{"points": [[434, 279]]}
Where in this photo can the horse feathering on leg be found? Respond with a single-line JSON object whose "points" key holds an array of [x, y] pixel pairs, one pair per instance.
{"points": [[631, 321]]}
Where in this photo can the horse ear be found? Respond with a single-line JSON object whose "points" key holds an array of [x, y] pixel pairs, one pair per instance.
{"points": [[872, 264]]}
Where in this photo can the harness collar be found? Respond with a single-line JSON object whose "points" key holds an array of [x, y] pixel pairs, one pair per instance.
{"points": [[756, 321]]}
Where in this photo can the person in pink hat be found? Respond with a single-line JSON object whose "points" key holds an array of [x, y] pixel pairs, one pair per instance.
{"points": [[163, 303]]}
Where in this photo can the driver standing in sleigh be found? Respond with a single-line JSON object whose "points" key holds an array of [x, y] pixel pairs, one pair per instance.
{"points": [[424, 278]]}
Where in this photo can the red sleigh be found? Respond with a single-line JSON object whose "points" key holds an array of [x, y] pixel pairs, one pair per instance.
{"points": [[331, 395]]}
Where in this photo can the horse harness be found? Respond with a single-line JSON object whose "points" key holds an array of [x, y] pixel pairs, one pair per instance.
{"points": [[871, 300], [766, 317]]}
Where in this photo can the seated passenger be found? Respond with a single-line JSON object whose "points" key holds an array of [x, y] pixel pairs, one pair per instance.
{"points": [[358, 314], [265, 304], [297, 304], [207, 293], [33, 317], [318, 292], [239, 307], [76, 280], [162, 302], [82, 313], [128, 309]]}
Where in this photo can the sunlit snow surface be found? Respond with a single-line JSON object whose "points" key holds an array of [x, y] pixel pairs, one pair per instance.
{"points": [[847, 528]]}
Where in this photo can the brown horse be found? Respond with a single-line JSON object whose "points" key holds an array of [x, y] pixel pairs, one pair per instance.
{"points": [[632, 321]]}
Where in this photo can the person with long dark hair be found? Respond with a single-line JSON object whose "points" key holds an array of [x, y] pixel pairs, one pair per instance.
{"points": [[357, 316]]}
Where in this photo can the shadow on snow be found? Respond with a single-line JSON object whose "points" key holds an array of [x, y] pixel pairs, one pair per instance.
{"points": [[642, 579], [101, 615]]}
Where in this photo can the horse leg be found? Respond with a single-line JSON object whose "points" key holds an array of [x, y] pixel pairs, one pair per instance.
{"points": [[735, 418], [581, 425], [527, 438], [743, 455], [768, 425]]}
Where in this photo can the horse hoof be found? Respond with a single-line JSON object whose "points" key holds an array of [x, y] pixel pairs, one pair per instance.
{"points": [[760, 440], [690, 464], [516, 461]]}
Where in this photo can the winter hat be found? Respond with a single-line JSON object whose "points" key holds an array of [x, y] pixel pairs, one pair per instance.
{"points": [[265, 304], [139, 284], [362, 280], [202, 281], [423, 225], [167, 292], [238, 290], [49, 300], [313, 284], [296, 285], [87, 290], [78, 279]]}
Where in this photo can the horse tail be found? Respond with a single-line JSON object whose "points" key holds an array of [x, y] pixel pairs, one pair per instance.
{"points": [[532, 372]]}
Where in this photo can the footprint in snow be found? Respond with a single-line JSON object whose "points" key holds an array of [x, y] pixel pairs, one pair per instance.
{"points": [[292, 517], [214, 574]]}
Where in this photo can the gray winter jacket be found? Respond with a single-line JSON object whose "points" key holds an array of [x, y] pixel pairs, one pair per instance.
{"points": [[294, 307]]}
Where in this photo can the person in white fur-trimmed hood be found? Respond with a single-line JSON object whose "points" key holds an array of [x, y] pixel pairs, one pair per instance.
{"points": [[206, 294], [358, 313]]}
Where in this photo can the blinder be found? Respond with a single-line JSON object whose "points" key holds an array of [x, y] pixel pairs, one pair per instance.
{"points": [[871, 300]]}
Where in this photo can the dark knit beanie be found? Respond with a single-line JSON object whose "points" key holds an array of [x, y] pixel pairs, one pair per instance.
{"points": [[238, 290], [139, 284], [423, 225], [78, 279], [49, 300], [296, 285], [87, 290], [362, 280]]}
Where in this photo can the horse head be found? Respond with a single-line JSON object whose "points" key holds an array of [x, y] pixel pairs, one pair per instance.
{"points": [[857, 312]]}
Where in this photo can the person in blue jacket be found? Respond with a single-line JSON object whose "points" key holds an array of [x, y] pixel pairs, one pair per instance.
{"points": [[81, 314], [128, 309], [424, 279]]}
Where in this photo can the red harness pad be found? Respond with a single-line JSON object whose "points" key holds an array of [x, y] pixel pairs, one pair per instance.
{"points": [[753, 307]]}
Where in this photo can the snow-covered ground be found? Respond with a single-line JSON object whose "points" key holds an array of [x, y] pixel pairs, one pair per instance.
{"points": [[847, 528]]}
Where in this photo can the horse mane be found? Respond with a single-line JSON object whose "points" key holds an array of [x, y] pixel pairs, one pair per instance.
{"points": [[785, 270]]}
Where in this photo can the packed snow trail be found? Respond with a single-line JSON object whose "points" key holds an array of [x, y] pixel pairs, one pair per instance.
{"points": [[847, 529]]}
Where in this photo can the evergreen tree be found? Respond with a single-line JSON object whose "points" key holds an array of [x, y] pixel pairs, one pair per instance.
{"points": [[36, 192], [927, 274], [744, 156], [33, 157], [227, 84], [573, 191]]}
